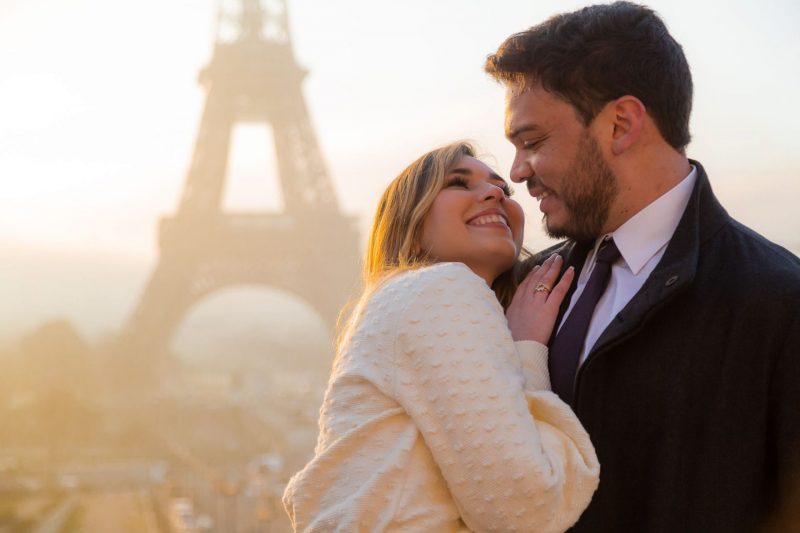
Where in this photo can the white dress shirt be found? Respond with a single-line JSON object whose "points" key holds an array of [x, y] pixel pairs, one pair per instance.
{"points": [[641, 241]]}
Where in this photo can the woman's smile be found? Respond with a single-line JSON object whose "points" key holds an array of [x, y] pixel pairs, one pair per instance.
{"points": [[474, 221]]}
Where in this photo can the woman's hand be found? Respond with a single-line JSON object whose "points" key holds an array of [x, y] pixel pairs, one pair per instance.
{"points": [[534, 308]]}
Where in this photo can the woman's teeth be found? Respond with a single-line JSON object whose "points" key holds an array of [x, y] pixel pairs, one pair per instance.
{"points": [[488, 219]]}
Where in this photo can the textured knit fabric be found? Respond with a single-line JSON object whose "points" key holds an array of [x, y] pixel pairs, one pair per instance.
{"points": [[435, 420]]}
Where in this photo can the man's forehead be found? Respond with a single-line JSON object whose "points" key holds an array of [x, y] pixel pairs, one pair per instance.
{"points": [[516, 89], [522, 105], [527, 95], [534, 107]]}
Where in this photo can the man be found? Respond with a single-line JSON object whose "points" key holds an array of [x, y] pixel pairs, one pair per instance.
{"points": [[679, 346]]}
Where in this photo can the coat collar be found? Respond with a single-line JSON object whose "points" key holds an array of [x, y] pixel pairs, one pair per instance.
{"points": [[703, 217]]}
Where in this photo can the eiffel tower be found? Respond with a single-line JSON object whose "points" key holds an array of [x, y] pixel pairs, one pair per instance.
{"points": [[310, 249]]}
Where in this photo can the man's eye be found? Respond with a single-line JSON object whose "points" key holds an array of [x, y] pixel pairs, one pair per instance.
{"points": [[457, 182], [532, 144]]}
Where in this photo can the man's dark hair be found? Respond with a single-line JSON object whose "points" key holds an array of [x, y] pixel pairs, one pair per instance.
{"points": [[599, 53]]}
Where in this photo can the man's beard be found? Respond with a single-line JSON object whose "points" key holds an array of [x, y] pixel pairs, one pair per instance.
{"points": [[588, 190]]}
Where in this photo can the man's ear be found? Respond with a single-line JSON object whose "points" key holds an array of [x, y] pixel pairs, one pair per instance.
{"points": [[627, 114]]}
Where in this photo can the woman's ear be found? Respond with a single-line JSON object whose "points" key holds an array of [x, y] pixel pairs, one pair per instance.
{"points": [[627, 114]]}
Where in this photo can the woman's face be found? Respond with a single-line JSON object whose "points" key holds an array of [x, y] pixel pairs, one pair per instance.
{"points": [[473, 220]]}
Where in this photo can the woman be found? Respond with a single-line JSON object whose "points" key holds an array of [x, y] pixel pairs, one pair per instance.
{"points": [[438, 417]]}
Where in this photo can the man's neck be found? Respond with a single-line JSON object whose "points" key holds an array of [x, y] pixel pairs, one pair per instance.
{"points": [[644, 181]]}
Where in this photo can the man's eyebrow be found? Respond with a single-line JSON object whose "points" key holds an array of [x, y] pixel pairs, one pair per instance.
{"points": [[513, 134], [467, 172]]}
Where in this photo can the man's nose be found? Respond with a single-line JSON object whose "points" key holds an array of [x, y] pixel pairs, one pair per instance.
{"points": [[520, 169]]}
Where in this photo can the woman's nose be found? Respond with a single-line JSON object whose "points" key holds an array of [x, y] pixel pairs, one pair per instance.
{"points": [[493, 192]]}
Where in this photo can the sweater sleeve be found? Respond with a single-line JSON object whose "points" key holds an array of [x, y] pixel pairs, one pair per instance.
{"points": [[515, 458], [533, 356]]}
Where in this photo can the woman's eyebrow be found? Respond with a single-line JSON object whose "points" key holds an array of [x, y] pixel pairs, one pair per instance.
{"points": [[467, 172], [497, 177], [462, 171]]}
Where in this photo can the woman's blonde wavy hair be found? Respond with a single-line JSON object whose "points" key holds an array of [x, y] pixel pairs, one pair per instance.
{"points": [[394, 240], [394, 243]]}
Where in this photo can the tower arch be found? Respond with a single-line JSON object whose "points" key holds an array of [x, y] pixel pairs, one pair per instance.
{"points": [[310, 249]]}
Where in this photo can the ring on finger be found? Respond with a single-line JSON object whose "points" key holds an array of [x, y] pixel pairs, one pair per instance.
{"points": [[541, 287]]}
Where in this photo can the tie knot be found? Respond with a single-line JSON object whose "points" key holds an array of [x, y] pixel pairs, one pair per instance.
{"points": [[608, 252]]}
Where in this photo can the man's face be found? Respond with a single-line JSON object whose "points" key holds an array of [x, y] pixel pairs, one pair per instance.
{"points": [[561, 162]]}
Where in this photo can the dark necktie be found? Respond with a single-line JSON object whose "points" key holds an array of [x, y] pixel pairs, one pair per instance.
{"points": [[566, 349]]}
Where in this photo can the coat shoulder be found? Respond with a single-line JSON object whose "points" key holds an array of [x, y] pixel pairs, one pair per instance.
{"points": [[751, 270], [747, 251], [560, 248]]}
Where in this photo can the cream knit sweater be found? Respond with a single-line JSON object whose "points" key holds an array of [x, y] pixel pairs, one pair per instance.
{"points": [[435, 420]]}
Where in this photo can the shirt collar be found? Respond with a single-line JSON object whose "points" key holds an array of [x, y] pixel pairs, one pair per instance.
{"points": [[649, 230]]}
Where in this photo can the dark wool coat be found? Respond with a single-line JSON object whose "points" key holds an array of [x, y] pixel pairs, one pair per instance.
{"points": [[692, 394]]}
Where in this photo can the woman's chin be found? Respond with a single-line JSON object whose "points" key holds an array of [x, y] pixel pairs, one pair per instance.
{"points": [[507, 255], [503, 259]]}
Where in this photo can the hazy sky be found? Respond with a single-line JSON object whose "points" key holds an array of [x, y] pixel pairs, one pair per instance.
{"points": [[99, 107]]}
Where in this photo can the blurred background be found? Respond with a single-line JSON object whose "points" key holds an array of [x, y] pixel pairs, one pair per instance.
{"points": [[186, 188]]}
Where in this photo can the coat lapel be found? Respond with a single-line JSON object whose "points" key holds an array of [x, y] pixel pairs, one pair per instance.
{"points": [[676, 270]]}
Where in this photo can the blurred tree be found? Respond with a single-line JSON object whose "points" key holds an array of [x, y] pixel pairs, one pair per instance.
{"points": [[56, 355], [52, 379]]}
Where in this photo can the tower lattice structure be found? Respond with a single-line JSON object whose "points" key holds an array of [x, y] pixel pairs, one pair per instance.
{"points": [[310, 249]]}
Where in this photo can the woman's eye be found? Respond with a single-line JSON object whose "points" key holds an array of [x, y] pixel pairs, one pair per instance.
{"points": [[458, 182], [508, 191]]}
